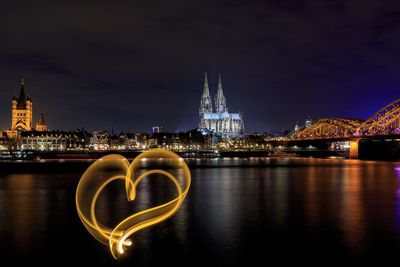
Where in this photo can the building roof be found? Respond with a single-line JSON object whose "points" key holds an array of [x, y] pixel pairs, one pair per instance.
{"points": [[218, 116], [235, 116]]}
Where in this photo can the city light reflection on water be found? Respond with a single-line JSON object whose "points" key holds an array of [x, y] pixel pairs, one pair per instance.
{"points": [[314, 210]]}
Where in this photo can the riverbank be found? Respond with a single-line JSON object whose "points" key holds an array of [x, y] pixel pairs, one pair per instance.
{"points": [[130, 154]]}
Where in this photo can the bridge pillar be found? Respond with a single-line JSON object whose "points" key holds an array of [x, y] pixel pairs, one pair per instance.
{"points": [[353, 154]]}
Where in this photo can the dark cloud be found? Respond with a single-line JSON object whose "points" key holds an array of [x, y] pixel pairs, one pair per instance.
{"points": [[35, 62], [132, 64]]}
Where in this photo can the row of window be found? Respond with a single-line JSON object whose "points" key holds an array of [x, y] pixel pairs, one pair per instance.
{"points": [[50, 141]]}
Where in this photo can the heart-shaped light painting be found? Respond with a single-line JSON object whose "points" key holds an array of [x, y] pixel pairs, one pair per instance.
{"points": [[116, 167]]}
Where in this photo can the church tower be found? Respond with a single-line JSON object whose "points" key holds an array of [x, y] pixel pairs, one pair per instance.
{"points": [[21, 118], [205, 103], [41, 125], [220, 102]]}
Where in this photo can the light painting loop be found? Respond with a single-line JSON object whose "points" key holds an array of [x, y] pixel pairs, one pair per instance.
{"points": [[116, 167]]}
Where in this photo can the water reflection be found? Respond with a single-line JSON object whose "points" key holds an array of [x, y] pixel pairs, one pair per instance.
{"points": [[279, 189], [397, 170], [352, 219], [20, 200], [312, 204], [290, 205]]}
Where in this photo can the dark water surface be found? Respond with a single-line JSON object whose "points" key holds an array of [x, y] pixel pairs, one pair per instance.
{"points": [[312, 212]]}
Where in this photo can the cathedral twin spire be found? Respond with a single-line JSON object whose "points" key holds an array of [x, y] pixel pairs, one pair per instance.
{"points": [[220, 101], [206, 91], [205, 103]]}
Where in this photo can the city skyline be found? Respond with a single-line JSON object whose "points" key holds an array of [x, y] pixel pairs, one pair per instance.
{"points": [[130, 66]]}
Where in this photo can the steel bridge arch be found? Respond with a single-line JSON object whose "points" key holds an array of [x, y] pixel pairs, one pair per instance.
{"points": [[329, 128], [385, 121]]}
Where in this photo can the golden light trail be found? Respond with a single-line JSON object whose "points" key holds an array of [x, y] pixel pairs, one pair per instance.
{"points": [[116, 167]]}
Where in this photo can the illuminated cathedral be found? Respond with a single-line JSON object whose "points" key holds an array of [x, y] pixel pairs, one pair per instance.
{"points": [[220, 121]]}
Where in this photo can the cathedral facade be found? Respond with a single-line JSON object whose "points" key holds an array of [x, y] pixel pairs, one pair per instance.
{"points": [[220, 121]]}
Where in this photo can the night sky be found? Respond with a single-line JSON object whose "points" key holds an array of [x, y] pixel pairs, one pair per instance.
{"points": [[129, 65]]}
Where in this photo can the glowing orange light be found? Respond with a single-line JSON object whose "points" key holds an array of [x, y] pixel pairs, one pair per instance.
{"points": [[94, 180]]}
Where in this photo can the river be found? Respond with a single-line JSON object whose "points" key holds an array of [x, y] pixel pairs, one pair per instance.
{"points": [[312, 212]]}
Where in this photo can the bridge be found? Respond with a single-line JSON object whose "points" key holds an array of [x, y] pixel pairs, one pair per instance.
{"points": [[384, 125]]}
